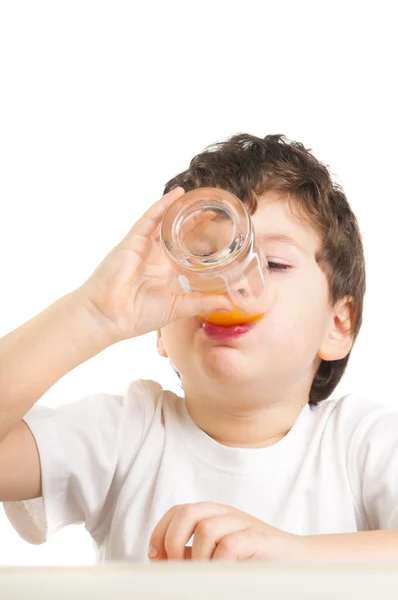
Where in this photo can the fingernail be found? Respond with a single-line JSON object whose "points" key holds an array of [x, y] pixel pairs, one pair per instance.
{"points": [[152, 552]]}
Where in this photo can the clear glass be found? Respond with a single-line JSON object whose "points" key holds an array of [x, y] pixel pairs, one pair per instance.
{"points": [[208, 236]]}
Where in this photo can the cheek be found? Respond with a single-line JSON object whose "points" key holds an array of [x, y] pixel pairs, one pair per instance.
{"points": [[300, 315], [314, 326], [177, 338]]}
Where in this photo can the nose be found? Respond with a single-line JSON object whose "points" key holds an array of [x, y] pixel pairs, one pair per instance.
{"points": [[241, 294]]}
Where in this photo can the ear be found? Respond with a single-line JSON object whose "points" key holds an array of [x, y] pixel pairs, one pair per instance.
{"points": [[159, 343], [339, 339]]}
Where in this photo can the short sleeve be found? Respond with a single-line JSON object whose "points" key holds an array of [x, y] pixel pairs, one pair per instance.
{"points": [[79, 446], [374, 463]]}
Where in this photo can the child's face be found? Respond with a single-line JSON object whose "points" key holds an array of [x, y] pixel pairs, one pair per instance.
{"points": [[282, 350]]}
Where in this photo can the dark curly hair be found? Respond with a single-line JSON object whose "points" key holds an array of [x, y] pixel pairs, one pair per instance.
{"points": [[249, 166]]}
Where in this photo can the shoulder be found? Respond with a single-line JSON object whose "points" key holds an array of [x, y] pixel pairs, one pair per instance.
{"points": [[152, 400], [130, 408], [149, 393], [358, 418], [359, 409]]}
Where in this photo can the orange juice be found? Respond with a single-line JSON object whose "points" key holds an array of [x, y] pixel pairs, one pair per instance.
{"points": [[233, 317]]}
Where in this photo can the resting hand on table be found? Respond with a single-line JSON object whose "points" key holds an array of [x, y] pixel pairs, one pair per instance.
{"points": [[220, 533]]}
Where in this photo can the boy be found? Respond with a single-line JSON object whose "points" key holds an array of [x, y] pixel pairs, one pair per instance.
{"points": [[254, 462]]}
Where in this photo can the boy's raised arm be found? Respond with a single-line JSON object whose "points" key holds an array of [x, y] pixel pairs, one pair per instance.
{"points": [[126, 296], [40, 352]]}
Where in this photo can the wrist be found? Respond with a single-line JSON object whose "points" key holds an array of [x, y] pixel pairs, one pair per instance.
{"points": [[87, 328], [364, 545]]}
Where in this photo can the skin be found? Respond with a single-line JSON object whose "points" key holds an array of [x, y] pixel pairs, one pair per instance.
{"points": [[128, 295], [274, 364], [276, 382], [227, 534]]}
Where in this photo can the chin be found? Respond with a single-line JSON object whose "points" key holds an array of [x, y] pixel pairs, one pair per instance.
{"points": [[226, 365]]}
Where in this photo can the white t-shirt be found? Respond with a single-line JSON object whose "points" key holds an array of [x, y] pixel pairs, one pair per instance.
{"points": [[118, 463]]}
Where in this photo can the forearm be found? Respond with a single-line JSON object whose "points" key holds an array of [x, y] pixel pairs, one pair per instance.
{"points": [[40, 352], [361, 545]]}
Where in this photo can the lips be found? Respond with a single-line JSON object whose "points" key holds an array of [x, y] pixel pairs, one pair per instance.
{"points": [[225, 332]]}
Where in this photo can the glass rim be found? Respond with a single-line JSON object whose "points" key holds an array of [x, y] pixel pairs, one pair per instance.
{"points": [[186, 204]]}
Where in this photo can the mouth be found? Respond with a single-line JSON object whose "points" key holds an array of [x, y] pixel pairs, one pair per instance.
{"points": [[225, 332]]}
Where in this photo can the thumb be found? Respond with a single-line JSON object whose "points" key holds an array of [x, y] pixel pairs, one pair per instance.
{"points": [[196, 304]]}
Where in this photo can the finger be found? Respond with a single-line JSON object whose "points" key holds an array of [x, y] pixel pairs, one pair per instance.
{"points": [[196, 304], [210, 531], [150, 220], [183, 525], [156, 542], [240, 545], [157, 273], [198, 223], [193, 227], [175, 529]]}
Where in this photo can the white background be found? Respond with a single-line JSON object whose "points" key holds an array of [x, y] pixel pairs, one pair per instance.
{"points": [[101, 103]]}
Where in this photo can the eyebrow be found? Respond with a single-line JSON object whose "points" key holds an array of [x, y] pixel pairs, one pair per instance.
{"points": [[279, 237]]}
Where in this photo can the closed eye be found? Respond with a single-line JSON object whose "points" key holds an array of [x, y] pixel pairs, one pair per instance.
{"points": [[273, 266]]}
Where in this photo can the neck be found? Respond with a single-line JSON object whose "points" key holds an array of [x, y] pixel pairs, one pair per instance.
{"points": [[253, 424]]}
